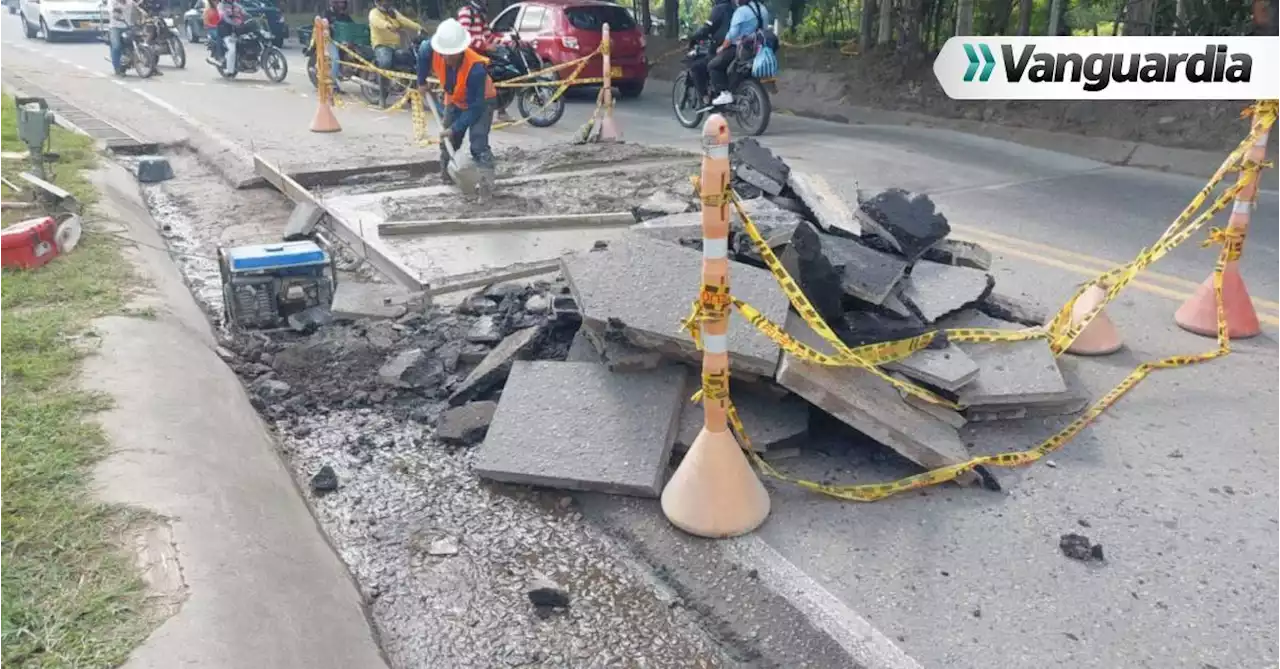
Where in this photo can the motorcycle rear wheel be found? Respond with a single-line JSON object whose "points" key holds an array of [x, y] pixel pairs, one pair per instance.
{"points": [[144, 60], [311, 71], [274, 64], [752, 107], [533, 104], [178, 52], [685, 102]]}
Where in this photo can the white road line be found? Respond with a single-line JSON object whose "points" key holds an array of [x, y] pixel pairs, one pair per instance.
{"points": [[194, 83], [864, 643], [235, 149]]}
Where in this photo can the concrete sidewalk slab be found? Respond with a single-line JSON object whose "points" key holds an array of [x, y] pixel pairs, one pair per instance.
{"points": [[264, 587]]}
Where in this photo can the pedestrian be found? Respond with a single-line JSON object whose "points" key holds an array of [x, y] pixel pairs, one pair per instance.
{"points": [[118, 24], [469, 93]]}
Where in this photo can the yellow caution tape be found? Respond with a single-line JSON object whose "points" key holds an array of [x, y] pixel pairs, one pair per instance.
{"points": [[1060, 332]]}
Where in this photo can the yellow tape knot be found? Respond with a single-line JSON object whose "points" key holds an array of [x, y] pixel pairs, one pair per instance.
{"points": [[1231, 239]]}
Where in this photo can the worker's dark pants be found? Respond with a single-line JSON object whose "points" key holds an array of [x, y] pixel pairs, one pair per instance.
{"points": [[698, 68], [384, 57], [480, 151], [719, 67]]}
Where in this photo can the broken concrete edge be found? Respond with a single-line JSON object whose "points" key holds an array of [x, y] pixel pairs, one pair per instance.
{"points": [[504, 223], [370, 250], [479, 279]]}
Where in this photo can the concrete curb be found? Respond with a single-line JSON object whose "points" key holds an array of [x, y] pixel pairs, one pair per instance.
{"points": [[263, 587], [1189, 162]]}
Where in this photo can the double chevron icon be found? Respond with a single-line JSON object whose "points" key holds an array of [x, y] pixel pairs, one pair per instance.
{"points": [[987, 61]]}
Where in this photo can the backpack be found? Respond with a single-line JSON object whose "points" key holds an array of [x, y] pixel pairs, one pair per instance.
{"points": [[765, 62]]}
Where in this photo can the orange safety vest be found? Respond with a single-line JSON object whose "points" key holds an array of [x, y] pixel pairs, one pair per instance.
{"points": [[458, 96]]}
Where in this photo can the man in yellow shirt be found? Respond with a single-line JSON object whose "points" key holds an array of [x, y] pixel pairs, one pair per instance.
{"points": [[385, 24]]}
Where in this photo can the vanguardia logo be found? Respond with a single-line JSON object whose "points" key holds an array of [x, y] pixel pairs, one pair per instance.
{"points": [[1097, 70]]}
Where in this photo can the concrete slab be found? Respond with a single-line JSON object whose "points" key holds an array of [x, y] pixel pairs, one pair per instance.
{"points": [[935, 290], [907, 221], [771, 423], [465, 425], [1011, 374], [614, 351], [648, 286], [949, 416], [582, 350], [581, 427], [494, 368], [302, 221], [870, 405], [830, 210], [946, 368], [353, 300]]}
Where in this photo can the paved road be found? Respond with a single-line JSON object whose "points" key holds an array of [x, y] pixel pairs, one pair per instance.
{"points": [[1178, 482]]}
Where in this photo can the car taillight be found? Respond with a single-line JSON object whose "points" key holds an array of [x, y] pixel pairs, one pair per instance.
{"points": [[569, 42]]}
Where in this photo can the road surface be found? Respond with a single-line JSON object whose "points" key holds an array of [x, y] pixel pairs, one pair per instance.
{"points": [[1178, 481]]}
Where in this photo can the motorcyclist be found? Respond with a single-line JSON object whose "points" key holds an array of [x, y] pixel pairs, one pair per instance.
{"points": [[211, 28], [336, 13], [749, 17], [474, 18], [469, 94], [231, 18], [121, 17], [155, 10], [385, 24], [714, 30]]}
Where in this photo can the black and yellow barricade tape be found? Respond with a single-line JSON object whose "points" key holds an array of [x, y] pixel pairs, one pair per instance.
{"points": [[1183, 227]]}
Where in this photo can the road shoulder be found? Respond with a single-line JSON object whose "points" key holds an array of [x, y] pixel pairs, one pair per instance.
{"points": [[264, 588]]}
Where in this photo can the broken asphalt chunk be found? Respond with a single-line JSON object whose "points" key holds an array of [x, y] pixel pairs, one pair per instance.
{"points": [[959, 253], [495, 366], [870, 405], [909, 223], [544, 592], [830, 210], [854, 269], [325, 481], [153, 169], [302, 222], [579, 426], [935, 291], [1079, 547], [648, 285], [465, 425], [948, 368], [758, 166]]}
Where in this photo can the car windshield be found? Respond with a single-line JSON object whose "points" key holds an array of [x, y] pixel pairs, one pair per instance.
{"points": [[592, 17]]}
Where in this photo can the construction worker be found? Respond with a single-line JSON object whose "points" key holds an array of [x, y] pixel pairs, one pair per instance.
{"points": [[469, 93], [385, 24]]}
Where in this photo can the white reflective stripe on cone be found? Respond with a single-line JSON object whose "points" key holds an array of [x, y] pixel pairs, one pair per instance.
{"points": [[715, 249], [715, 343]]}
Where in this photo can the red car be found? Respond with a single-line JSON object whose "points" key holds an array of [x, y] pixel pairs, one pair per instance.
{"points": [[565, 30]]}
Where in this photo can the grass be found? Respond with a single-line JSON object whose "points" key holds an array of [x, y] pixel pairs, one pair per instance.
{"points": [[71, 594]]}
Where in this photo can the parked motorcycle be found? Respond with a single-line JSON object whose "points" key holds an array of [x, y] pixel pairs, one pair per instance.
{"points": [[254, 51], [507, 62], [751, 106], [158, 32]]}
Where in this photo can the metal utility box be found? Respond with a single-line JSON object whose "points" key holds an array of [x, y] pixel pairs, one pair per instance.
{"points": [[34, 122], [264, 284]]}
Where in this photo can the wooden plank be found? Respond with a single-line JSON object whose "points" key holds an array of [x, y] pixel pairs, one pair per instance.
{"points": [[616, 219], [45, 186], [371, 250]]}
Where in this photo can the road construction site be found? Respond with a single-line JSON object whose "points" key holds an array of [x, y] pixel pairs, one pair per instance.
{"points": [[484, 428]]}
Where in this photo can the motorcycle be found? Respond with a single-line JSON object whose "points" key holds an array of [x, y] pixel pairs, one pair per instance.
{"points": [[507, 62], [137, 55], [158, 33], [751, 106], [254, 51]]}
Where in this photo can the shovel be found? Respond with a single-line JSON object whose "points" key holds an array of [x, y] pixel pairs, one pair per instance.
{"points": [[462, 170]]}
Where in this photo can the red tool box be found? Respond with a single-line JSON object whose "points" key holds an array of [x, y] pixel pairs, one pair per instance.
{"points": [[29, 244]]}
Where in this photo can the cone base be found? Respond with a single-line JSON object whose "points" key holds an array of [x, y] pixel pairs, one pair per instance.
{"points": [[715, 493], [1199, 314], [1100, 337], [609, 130], [324, 120]]}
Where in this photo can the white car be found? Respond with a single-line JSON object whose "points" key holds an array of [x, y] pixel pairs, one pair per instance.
{"points": [[61, 19]]}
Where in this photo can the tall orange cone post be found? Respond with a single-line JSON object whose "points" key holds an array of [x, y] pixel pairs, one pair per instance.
{"points": [[714, 493], [1100, 336], [324, 120], [1199, 314], [609, 131]]}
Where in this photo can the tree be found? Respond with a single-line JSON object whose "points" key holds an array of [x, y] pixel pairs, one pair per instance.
{"points": [[866, 25], [671, 15], [885, 35], [1024, 17], [964, 18]]}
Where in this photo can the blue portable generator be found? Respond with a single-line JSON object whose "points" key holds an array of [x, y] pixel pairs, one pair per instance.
{"points": [[264, 284]]}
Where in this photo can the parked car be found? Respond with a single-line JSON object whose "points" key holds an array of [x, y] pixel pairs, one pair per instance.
{"points": [[61, 19], [565, 30], [193, 20]]}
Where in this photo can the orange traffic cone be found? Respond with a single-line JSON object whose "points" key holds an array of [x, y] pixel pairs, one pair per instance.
{"points": [[714, 493], [1100, 336], [1199, 314], [324, 120]]}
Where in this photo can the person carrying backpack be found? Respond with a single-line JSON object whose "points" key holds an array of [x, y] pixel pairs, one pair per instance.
{"points": [[749, 18]]}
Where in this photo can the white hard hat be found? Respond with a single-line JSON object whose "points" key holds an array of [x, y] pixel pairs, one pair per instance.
{"points": [[450, 38]]}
